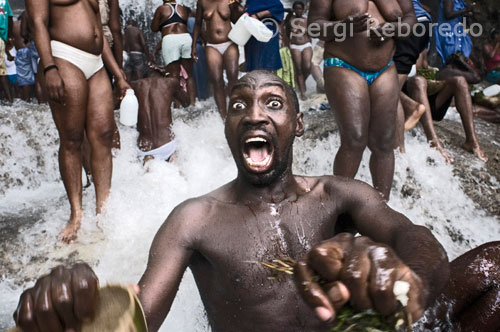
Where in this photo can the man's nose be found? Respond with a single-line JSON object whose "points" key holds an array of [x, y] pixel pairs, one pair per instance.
{"points": [[255, 115]]}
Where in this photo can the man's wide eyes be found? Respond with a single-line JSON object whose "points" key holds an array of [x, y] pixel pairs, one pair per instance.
{"points": [[238, 106], [275, 104]]}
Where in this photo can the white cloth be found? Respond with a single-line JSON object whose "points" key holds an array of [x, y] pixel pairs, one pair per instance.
{"points": [[300, 47], [164, 152], [175, 47], [88, 63], [11, 65]]}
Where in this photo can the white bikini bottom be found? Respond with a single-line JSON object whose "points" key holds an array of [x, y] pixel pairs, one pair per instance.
{"points": [[88, 63], [222, 47], [164, 152]]}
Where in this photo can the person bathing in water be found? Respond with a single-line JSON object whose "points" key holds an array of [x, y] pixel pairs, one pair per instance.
{"points": [[155, 94], [255, 217], [171, 19], [300, 45], [221, 53], [80, 98], [359, 46]]}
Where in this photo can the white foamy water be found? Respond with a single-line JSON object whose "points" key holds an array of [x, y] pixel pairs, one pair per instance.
{"points": [[142, 197]]}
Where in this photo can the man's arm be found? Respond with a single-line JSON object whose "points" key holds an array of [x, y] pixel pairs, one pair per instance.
{"points": [[196, 30], [450, 14], [144, 45], [116, 31], [168, 259], [415, 245]]}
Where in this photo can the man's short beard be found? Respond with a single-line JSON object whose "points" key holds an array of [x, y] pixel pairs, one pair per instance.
{"points": [[263, 180]]}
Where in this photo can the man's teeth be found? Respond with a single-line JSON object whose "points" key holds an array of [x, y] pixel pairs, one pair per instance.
{"points": [[262, 163], [256, 139]]}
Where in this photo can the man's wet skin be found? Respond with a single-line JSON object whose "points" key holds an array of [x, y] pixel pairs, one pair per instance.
{"points": [[134, 41], [366, 114], [265, 213], [297, 29], [155, 94], [217, 17], [78, 105]]}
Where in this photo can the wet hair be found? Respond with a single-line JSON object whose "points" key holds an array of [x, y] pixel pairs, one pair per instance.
{"points": [[299, 3], [252, 76]]}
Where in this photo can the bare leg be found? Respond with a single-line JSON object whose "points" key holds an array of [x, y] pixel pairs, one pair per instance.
{"points": [[459, 88], [100, 129], [417, 89], [318, 77], [215, 71], [412, 109], [191, 87], [297, 62], [306, 63], [384, 96], [351, 106], [86, 153], [399, 140], [70, 123], [231, 57], [4, 82]]}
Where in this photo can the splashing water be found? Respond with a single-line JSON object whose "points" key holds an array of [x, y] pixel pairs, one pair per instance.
{"points": [[34, 206]]}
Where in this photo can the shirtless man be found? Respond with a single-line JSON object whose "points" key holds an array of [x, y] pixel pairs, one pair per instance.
{"points": [[267, 212], [79, 91], [361, 79], [300, 45], [155, 94], [221, 52], [137, 51], [171, 19]]}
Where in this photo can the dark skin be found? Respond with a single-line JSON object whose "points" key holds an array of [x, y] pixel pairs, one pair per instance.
{"points": [[217, 17], [78, 105], [366, 114], [450, 14], [4, 81], [115, 28], [268, 212], [134, 42], [296, 30], [155, 94], [26, 91], [161, 14], [492, 49]]}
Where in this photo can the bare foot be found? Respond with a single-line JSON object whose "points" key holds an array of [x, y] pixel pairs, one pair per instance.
{"points": [[415, 116], [475, 149], [68, 234], [447, 157]]}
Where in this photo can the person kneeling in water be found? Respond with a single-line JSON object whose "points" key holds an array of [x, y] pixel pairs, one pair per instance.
{"points": [[255, 217], [155, 94]]}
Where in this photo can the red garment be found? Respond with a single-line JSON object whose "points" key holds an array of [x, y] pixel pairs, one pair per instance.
{"points": [[494, 62]]}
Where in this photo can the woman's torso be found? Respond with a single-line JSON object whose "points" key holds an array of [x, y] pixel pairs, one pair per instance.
{"points": [[217, 15], [173, 19]]}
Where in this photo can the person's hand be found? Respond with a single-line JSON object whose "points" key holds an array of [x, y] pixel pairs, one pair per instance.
{"points": [[194, 54], [122, 86], [55, 86], [60, 301], [357, 23], [382, 32], [10, 57], [356, 269]]}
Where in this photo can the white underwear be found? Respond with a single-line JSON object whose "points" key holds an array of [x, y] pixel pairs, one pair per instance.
{"points": [[88, 63], [164, 152], [300, 47], [222, 47]]}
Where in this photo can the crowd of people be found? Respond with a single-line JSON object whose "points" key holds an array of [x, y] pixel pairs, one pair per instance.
{"points": [[369, 78]]}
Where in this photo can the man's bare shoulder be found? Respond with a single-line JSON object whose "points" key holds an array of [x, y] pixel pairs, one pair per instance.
{"points": [[342, 187]]}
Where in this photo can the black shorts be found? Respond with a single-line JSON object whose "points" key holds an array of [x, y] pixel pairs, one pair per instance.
{"points": [[408, 50], [437, 113]]}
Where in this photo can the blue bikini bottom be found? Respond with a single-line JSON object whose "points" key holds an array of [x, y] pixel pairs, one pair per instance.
{"points": [[369, 76]]}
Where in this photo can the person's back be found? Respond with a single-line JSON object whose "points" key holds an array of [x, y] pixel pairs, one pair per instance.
{"points": [[132, 36]]}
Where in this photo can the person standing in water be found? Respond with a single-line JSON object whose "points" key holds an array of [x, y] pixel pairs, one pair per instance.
{"points": [[300, 45], [74, 78], [361, 79], [221, 53], [171, 19], [137, 52]]}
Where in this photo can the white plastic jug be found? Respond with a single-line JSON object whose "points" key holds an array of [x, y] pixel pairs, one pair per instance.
{"points": [[492, 90], [258, 29], [129, 109], [239, 33]]}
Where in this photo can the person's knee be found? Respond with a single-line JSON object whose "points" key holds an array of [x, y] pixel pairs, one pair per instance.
{"points": [[417, 83], [355, 140], [102, 135], [383, 142], [459, 83], [72, 139]]}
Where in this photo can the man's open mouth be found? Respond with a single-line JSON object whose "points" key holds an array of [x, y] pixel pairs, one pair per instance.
{"points": [[258, 154]]}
